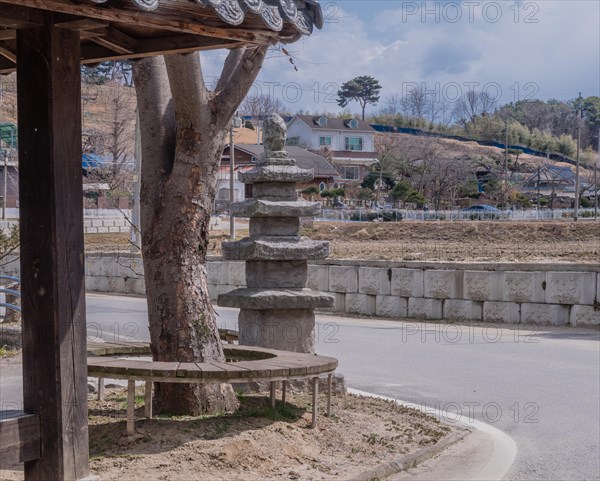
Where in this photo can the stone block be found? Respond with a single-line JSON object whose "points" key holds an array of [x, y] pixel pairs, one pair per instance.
{"points": [[584, 316], [570, 287], [108, 223], [96, 222], [271, 226], [443, 284], [116, 284], [114, 229], [274, 298], [91, 230], [421, 308], [98, 284], [282, 190], [213, 271], [283, 329], [237, 273], [275, 208], [501, 312], [391, 306], [374, 281], [280, 248], [339, 302], [523, 286], [276, 173], [553, 314], [360, 304], [482, 285], [318, 277], [407, 282], [213, 292], [87, 222], [461, 310], [102, 230], [343, 279], [268, 274]]}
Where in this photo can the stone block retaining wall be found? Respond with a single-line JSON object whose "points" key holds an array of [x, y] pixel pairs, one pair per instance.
{"points": [[557, 294]]}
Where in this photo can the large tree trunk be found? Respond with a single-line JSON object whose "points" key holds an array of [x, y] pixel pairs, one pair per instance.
{"points": [[183, 128]]}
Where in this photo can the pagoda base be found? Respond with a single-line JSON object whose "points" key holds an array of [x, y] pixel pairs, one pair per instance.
{"points": [[283, 329]]}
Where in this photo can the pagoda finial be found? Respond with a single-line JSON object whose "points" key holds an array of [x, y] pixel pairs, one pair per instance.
{"points": [[274, 133]]}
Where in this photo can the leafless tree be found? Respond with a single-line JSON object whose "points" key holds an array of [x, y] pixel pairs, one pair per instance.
{"points": [[259, 105], [472, 105], [392, 105], [416, 102]]}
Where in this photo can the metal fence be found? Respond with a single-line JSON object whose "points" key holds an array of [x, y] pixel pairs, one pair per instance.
{"points": [[391, 215]]}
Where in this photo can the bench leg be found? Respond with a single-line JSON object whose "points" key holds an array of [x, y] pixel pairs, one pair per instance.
{"points": [[100, 389], [283, 391], [273, 398], [148, 400], [130, 408], [329, 382], [315, 402]]}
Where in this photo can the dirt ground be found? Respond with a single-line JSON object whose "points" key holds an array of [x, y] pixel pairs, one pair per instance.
{"points": [[256, 443], [471, 241], [556, 241]]}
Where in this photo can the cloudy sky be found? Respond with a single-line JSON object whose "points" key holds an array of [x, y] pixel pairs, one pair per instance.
{"points": [[512, 49]]}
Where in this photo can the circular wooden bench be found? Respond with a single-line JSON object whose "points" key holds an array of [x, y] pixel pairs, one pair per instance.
{"points": [[244, 364]]}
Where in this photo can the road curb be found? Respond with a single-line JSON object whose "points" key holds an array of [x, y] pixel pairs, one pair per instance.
{"points": [[505, 448], [411, 460]]}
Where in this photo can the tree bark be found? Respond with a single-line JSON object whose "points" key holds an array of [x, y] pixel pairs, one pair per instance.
{"points": [[183, 128]]}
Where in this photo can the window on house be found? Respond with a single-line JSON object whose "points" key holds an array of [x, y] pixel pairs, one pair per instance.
{"points": [[353, 124], [354, 143], [323, 121], [322, 186], [325, 141], [350, 172]]}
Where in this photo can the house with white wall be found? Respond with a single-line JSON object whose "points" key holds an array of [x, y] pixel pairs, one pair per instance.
{"points": [[350, 143]]}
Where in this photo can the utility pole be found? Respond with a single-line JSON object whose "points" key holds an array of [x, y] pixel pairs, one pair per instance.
{"points": [[505, 187], [136, 229], [236, 123], [4, 184], [596, 181], [576, 212]]}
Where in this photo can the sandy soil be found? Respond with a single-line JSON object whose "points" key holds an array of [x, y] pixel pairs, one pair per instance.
{"points": [[256, 443]]}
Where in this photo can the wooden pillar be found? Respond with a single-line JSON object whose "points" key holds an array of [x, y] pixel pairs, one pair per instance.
{"points": [[52, 262]]}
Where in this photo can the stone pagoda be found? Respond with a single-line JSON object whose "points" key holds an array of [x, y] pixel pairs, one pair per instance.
{"points": [[276, 307]]}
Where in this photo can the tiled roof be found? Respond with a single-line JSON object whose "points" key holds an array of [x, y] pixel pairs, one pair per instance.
{"points": [[302, 14], [304, 158], [335, 124]]}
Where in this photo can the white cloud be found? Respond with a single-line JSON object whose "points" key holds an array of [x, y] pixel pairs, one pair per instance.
{"points": [[558, 56]]}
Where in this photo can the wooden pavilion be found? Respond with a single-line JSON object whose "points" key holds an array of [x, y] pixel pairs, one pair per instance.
{"points": [[46, 41]]}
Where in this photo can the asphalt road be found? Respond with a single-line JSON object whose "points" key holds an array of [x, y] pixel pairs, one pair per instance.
{"points": [[541, 386]]}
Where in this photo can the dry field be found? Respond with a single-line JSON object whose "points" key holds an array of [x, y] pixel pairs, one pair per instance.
{"points": [[552, 241], [557, 241]]}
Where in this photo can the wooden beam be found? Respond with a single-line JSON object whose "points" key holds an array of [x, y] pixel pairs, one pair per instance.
{"points": [[8, 53], [7, 66], [81, 24], [19, 438], [159, 46], [117, 41], [51, 232], [8, 34], [179, 16], [92, 53], [14, 16]]}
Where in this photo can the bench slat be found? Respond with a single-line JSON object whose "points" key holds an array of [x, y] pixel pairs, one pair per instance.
{"points": [[19, 438]]}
